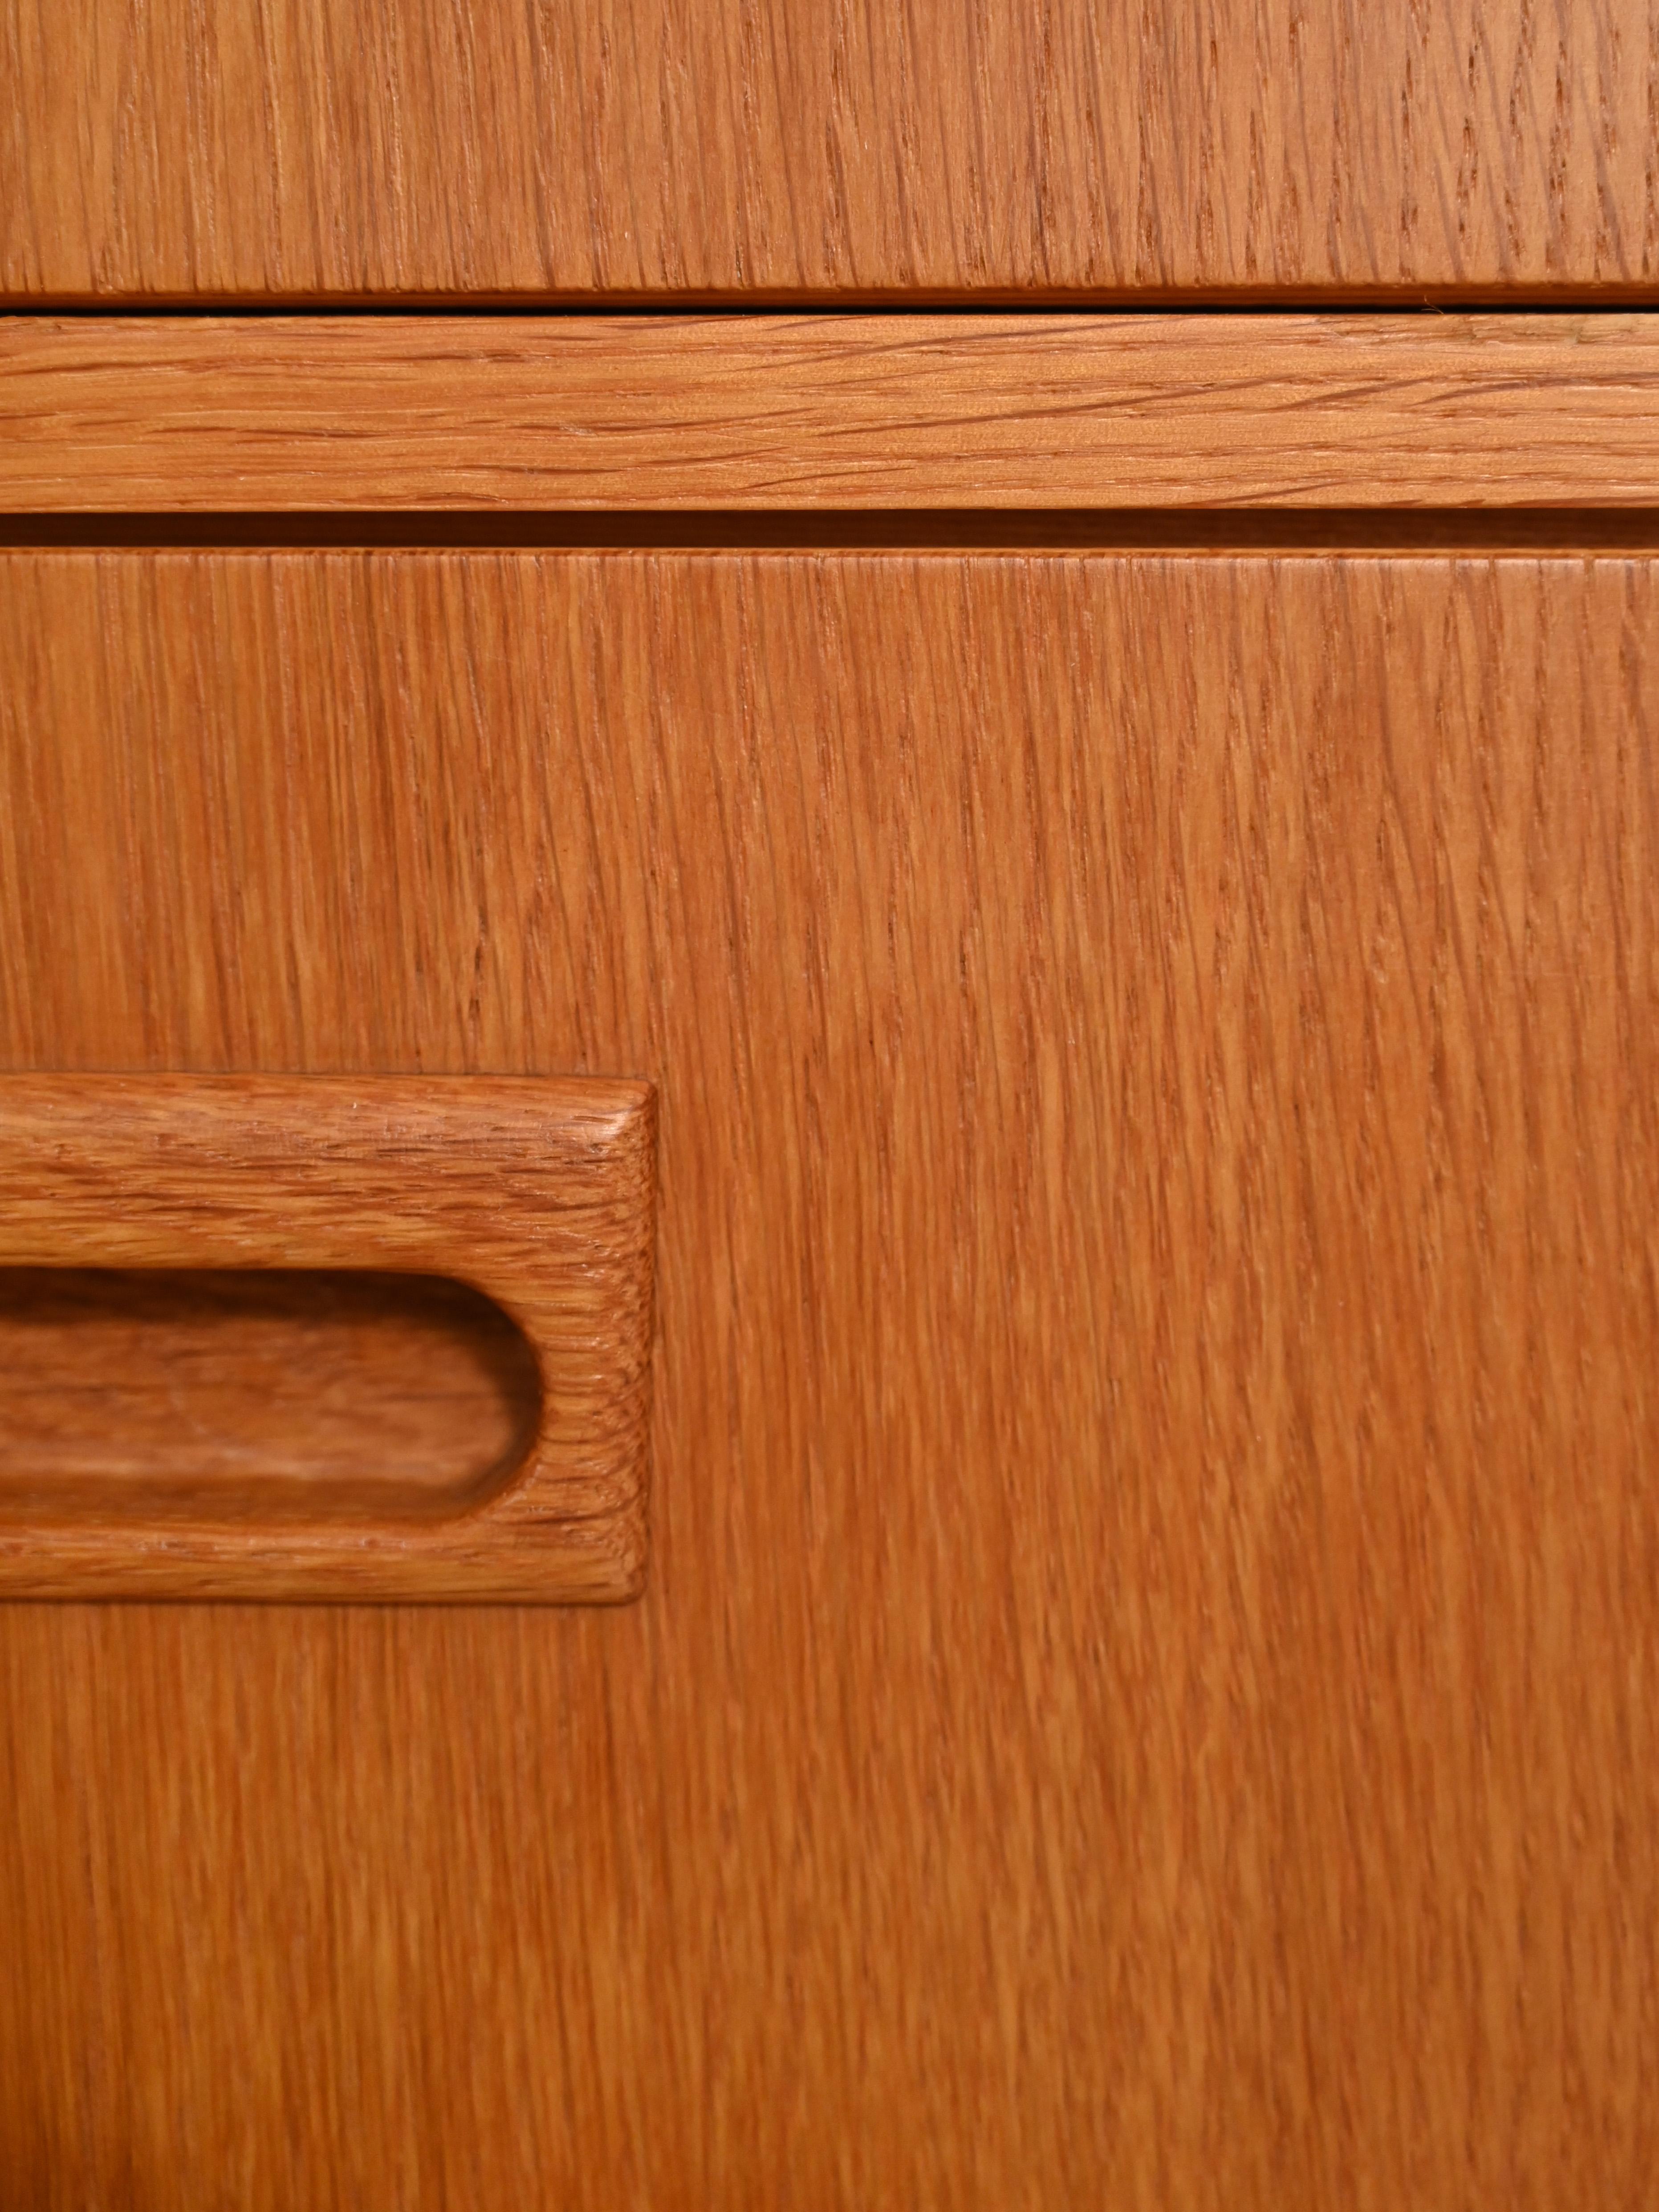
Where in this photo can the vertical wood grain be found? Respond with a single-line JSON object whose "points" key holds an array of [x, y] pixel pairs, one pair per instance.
{"points": [[1147, 1690], [307, 149]]}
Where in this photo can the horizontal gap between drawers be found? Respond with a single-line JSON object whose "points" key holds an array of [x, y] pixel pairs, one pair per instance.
{"points": [[1342, 529], [1552, 297]]}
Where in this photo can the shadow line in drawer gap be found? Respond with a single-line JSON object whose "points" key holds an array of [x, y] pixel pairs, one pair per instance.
{"points": [[287, 1393], [1360, 530]]}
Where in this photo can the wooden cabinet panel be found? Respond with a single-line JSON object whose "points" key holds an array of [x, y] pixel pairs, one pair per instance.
{"points": [[305, 149], [1147, 1688]]}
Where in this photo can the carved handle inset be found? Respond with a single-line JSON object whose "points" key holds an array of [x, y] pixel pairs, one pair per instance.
{"points": [[538, 1192]]}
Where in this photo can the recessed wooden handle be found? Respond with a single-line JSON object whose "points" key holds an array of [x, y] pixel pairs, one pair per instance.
{"points": [[536, 1192]]}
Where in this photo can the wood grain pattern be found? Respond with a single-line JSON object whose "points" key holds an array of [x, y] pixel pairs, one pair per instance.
{"points": [[349, 149], [803, 412], [1148, 1688], [255, 1390], [539, 1194]]}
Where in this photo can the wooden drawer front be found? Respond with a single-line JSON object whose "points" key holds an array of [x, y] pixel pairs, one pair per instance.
{"points": [[673, 148], [1146, 1686]]}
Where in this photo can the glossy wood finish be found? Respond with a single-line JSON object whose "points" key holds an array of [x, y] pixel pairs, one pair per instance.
{"points": [[1148, 1687], [747, 148], [884, 412], [540, 1193]]}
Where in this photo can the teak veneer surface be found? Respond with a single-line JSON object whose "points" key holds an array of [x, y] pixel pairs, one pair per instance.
{"points": [[1147, 1690], [354, 149], [801, 412]]}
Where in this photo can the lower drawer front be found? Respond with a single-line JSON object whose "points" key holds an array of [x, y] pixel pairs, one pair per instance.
{"points": [[1147, 1685]]}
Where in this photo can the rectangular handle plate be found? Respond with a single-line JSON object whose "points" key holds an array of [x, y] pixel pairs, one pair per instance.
{"points": [[536, 1192]]}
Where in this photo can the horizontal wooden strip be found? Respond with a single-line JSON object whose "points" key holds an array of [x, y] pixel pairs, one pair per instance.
{"points": [[854, 412], [676, 148]]}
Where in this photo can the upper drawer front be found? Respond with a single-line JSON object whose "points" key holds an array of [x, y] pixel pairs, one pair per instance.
{"points": [[680, 147]]}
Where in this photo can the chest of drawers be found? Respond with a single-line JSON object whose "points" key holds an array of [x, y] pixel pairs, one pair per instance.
{"points": [[1108, 811]]}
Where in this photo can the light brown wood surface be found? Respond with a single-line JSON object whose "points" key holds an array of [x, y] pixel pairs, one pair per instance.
{"points": [[878, 411], [743, 147], [1147, 1690], [539, 1194]]}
